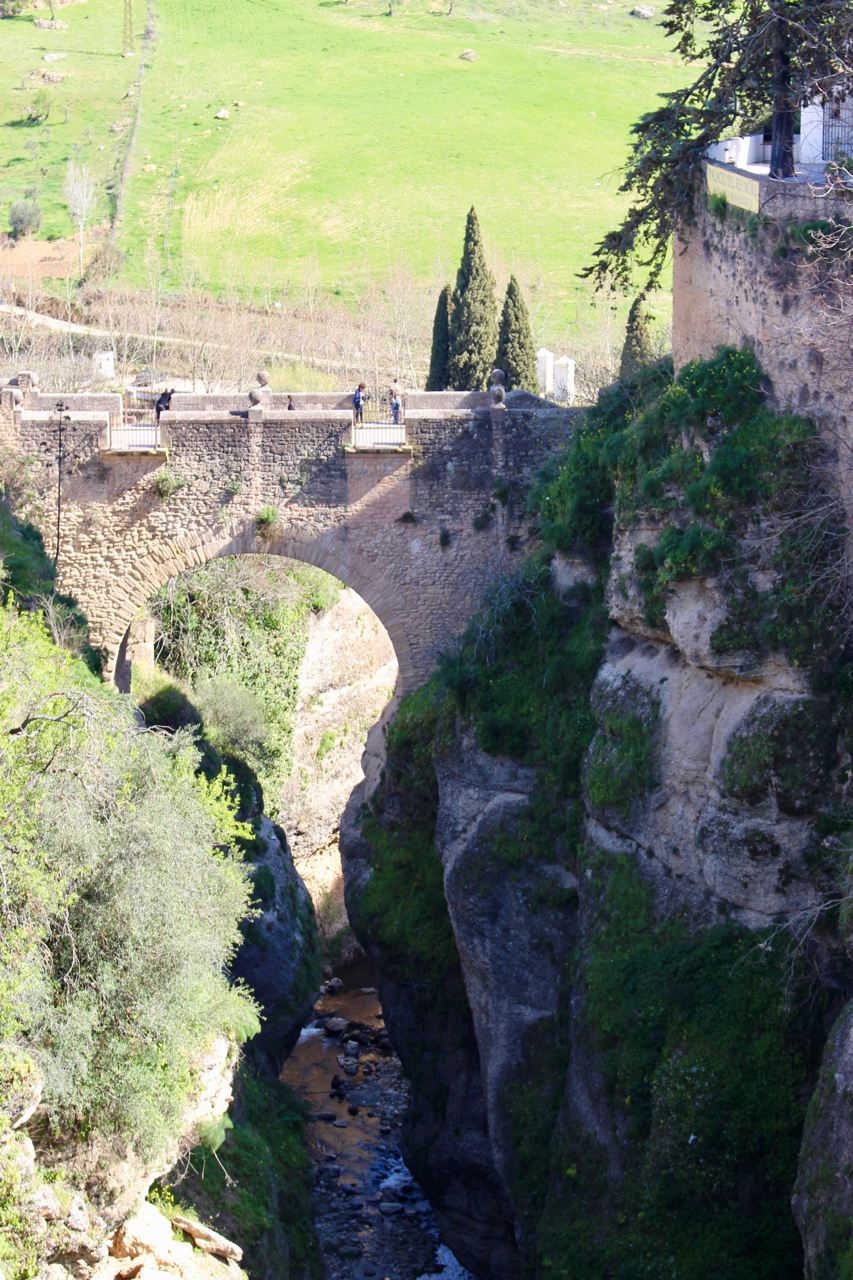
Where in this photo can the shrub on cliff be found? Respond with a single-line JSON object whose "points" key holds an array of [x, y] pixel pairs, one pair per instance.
{"points": [[702, 459], [122, 896], [234, 631], [473, 322]]}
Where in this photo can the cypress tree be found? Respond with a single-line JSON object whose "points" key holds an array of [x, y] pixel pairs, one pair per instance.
{"points": [[637, 351], [516, 355], [473, 321], [440, 354]]}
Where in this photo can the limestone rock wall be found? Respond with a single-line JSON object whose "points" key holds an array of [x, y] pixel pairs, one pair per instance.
{"points": [[714, 837], [348, 675]]}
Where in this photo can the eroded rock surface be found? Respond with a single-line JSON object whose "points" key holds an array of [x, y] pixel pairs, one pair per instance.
{"points": [[347, 677], [704, 776]]}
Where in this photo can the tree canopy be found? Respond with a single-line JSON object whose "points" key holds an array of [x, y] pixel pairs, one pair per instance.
{"points": [[474, 319], [439, 359], [516, 353], [758, 58], [122, 896]]}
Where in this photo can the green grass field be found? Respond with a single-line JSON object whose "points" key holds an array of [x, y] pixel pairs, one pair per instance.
{"points": [[361, 139]]}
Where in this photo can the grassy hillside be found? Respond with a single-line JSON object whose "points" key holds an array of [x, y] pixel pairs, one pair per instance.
{"points": [[96, 93], [361, 140]]}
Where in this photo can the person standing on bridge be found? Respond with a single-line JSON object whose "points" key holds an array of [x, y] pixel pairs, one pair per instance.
{"points": [[163, 402], [358, 402]]}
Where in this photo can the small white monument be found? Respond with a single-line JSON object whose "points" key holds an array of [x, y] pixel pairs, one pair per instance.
{"points": [[564, 380], [104, 364], [545, 371]]}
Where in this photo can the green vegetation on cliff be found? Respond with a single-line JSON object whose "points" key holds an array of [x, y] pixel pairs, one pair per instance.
{"points": [[256, 1185], [706, 1063], [122, 895], [698, 1042], [697, 464], [231, 635], [124, 901], [112, 964]]}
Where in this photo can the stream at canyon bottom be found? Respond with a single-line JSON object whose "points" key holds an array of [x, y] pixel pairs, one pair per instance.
{"points": [[373, 1220]]}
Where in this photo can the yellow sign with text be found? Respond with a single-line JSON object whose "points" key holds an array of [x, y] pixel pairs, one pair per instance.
{"points": [[738, 190]]}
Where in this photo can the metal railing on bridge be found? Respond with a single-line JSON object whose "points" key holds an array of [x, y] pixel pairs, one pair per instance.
{"points": [[382, 421], [139, 428]]}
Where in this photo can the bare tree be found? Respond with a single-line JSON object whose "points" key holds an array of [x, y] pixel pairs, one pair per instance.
{"points": [[81, 197]]}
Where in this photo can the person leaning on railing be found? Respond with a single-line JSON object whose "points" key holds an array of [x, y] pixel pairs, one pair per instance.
{"points": [[163, 403]]}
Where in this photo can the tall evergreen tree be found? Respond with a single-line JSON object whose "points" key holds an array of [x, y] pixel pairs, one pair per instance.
{"points": [[474, 319], [437, 378], [516, 355], [637, 351]]}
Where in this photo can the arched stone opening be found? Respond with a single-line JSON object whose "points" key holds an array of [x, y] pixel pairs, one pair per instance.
{"points": [[347, 678], [331, 553]]}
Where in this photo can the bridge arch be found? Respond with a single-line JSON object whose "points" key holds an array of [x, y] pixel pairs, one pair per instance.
{"points": [[330, 553]]}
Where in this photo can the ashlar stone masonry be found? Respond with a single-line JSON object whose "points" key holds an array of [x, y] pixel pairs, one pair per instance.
{"points": [[396, 525]]}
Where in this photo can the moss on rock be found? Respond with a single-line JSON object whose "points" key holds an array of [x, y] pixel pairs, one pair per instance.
{"points": [[783, 747], [620, 767]]}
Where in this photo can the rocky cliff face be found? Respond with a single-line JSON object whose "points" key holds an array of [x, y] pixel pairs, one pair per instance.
{"points": [[74, 1194], [279, 959], [347, 677], [639, 919]]}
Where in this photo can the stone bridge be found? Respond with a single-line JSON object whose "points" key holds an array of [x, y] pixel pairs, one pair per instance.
{"points": [[418, 530]]}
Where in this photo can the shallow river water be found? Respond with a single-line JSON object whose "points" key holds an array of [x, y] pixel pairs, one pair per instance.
{"points": [[372, 1218]]}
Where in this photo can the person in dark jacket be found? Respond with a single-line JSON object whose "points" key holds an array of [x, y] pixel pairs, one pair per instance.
{"points": [[290, 403], [358, 401], [163, 402]]}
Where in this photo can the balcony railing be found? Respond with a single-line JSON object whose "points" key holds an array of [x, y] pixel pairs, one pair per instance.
{"points": [[378, 435], [135, 435], [138, 429], [381, 425]]}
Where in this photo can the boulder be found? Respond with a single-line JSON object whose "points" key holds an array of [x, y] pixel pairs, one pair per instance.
{"points": [[643, 11], [206, 1239]]}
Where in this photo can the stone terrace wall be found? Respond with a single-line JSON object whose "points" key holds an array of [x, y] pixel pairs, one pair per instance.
{"points": [[731, 287], [373, 519]]}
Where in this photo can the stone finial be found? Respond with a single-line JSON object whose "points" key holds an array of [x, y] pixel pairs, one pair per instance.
{"points": [[256, 395], [264, 378], [497, 388]]}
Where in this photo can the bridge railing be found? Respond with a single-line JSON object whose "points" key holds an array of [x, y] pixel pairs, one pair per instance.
{"points": [[139, 428], [378, 436], [382, 422]]}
